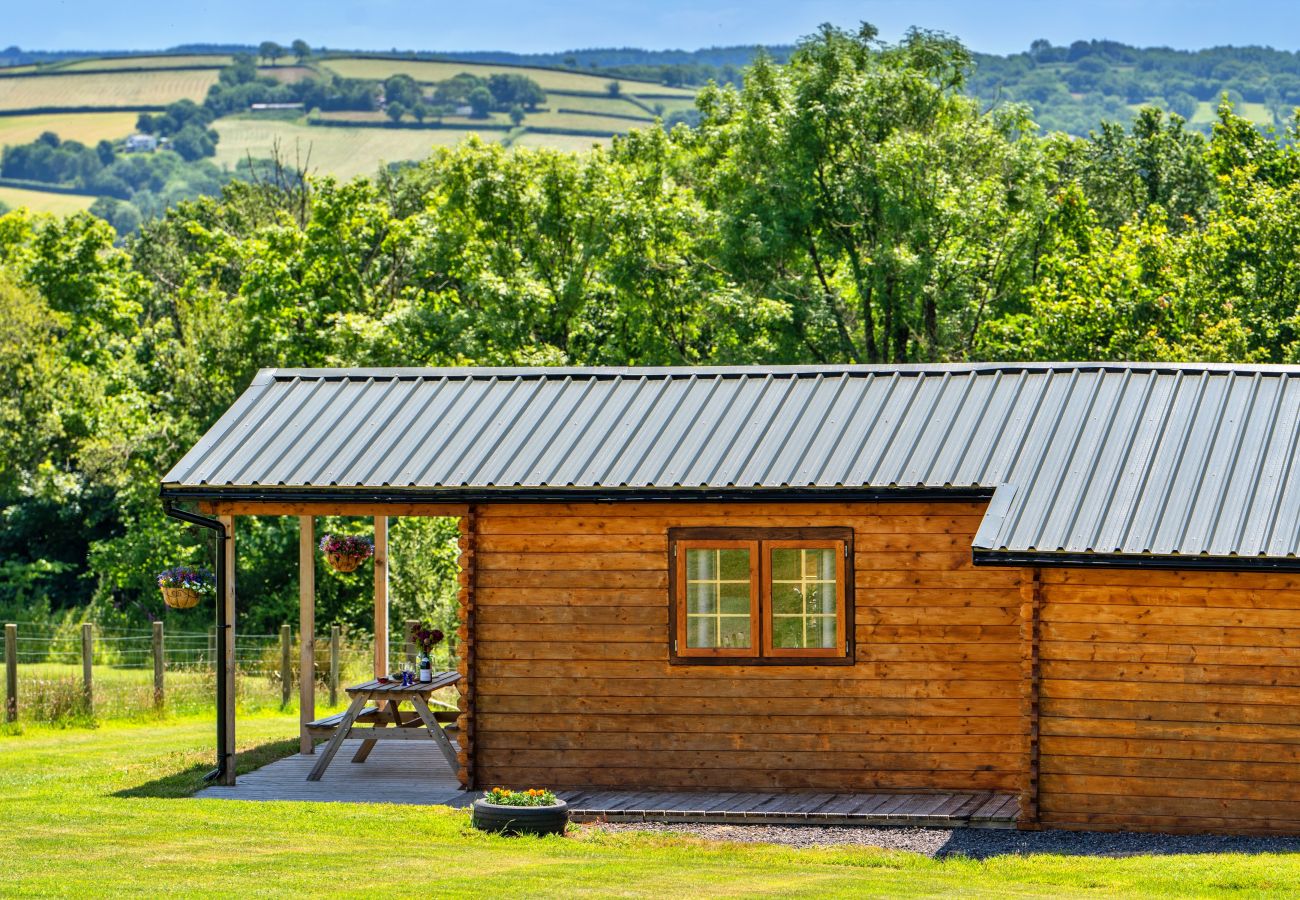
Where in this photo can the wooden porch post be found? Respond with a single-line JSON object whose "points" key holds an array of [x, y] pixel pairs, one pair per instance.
{"points": [[228, 714], [306, 631], [1031, 599], [381, 595]]}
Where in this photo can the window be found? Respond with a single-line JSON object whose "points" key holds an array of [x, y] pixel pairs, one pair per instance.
{"points": [[776, 596]]}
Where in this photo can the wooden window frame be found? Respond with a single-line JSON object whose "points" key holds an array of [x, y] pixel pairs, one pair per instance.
{"points": [[761, 541], [679, 599]]}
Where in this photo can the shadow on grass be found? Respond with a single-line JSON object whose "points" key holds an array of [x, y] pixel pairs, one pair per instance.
{"points": [[984, 843], [188, 781]]}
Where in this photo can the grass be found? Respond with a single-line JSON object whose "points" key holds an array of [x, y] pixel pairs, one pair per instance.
{"points": [[44, 201], [1207, 111], [89, 128], [115, 89], [567, 142], [586, 123], [101, 813], [549, 79], [587, 103]]}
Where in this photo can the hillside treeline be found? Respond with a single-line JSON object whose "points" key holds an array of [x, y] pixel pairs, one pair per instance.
{"points": [[851, 206]]}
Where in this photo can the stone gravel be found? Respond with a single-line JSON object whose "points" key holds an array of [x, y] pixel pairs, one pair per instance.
{"points": [[977, 843]]}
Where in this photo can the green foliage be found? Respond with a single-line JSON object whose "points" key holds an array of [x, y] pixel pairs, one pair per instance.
{"points": [[853, 204]]}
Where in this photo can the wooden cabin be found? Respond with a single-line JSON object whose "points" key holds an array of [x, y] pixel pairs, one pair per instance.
{"points": [[1075, 582]]}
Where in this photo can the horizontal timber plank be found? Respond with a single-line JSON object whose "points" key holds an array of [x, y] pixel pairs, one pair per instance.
{"points": [[825, 706], [638, 778], [1194, 597], [777, 689], [958, 546], [519, 614], [328, 508], [1206, 654], [1200, 616], [870, 649], [1170, 673], [1149, 732], [795, 723], [1285, 794], [974, 671], [1199, 770], [1170, 634], [925, 634], [493, 736], [1170, 824], [868, 614], [1151, 578], [733, 760], [1060, 688], [757, 508], [1197, 711]]}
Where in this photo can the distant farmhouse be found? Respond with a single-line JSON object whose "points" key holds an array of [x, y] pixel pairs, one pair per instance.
{"points": [[141, 143]]}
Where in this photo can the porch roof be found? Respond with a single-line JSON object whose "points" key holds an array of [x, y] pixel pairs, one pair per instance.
{"points": [[1185, 464]]}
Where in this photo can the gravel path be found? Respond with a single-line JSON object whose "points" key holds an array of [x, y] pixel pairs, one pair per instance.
{"points": [[978, 843]]}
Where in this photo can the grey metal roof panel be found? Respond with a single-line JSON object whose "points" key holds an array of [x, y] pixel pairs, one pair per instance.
{"points": [[1107, 458]]}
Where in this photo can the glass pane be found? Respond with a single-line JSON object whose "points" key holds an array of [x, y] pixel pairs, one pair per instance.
{"points": [[701, 631], [786, 600], [785, 565], [734, 631], [787, 631], [734, 598], [820, 598], [701, 565], [701, 597], [821, 632], [734, 565]]}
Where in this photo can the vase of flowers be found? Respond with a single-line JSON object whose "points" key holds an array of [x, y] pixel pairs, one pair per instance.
{"points": [[532, 811], [184, 586], [345, 552], [426, 637]]}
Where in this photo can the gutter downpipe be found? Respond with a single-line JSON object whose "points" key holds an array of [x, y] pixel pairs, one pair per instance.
{"points": [[223, 627]]}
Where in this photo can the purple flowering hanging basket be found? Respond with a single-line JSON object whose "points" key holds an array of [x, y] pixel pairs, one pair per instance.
{"points": [[346, 552]]}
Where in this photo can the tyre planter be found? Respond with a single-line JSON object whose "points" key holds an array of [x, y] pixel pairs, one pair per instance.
{"points": [[521, 819], [344, 563], [180, 597]]}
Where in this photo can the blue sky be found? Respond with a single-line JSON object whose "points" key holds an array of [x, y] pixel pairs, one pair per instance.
{"points": [[533, 25]]}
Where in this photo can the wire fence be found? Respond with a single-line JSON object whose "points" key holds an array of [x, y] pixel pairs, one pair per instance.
{"points": [[81, 673]]}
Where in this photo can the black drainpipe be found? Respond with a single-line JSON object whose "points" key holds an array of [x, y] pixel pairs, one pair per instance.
{"points": [[223, 627]]}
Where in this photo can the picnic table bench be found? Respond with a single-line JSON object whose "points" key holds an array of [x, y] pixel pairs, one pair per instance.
{"points": [[423, 724]]}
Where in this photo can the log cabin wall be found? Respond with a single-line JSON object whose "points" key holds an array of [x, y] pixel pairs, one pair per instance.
{"points": [[573, 685], [1170, 700]]}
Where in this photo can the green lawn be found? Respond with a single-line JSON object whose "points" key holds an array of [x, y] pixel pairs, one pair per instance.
{"points": [[103, 813]]}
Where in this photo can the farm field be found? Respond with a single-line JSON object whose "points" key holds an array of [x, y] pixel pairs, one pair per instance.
{"points": [[617, 105], [106, 812], [89, 128], [549, 79], [44, 201], [583, 122], [1207, 112], [342, 152], [569, 143], [117, 89], [161, 61]]}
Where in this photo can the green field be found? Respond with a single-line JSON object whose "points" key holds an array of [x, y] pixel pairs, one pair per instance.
{"points": [[106, 90], [1208, 111], [428, 72], [44, 201], [89, 128], [106, 812], [617, 105], [584, 122]]}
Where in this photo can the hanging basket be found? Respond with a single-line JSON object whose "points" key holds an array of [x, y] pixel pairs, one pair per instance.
{"points": [[180, 597], [342, 562]]}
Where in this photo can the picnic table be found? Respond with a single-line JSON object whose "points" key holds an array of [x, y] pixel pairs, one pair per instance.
{"points": [[388, 695]]}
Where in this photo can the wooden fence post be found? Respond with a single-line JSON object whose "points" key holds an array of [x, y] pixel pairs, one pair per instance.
{"points": [[158, 666], [411, 625], [11, 672], [334, 666], [88, 664], [286, 664]]}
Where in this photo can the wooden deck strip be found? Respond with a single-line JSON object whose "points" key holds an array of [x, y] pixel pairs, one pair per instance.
{"points": [[415, 773]]}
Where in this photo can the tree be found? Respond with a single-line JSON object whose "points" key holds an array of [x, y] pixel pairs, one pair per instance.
{"points": [[419, 111], [395, 111], [480, 102], [270, 51], [301, 50], [613, 88], [516, 115]]}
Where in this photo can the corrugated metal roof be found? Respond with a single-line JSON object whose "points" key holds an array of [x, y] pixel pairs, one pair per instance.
{"points": [[1122, 459]]}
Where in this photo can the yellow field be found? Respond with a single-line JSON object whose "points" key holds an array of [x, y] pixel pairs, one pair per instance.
{"points": [[42, 201], [343, 152], [120, 89], [549, 79], [89, 128], [148, 62]]}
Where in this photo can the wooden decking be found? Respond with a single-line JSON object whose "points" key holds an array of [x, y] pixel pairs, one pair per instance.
{"points": [[409, 772]]}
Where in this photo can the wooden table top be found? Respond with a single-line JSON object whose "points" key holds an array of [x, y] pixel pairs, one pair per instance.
{"points": [[440, 680]]}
